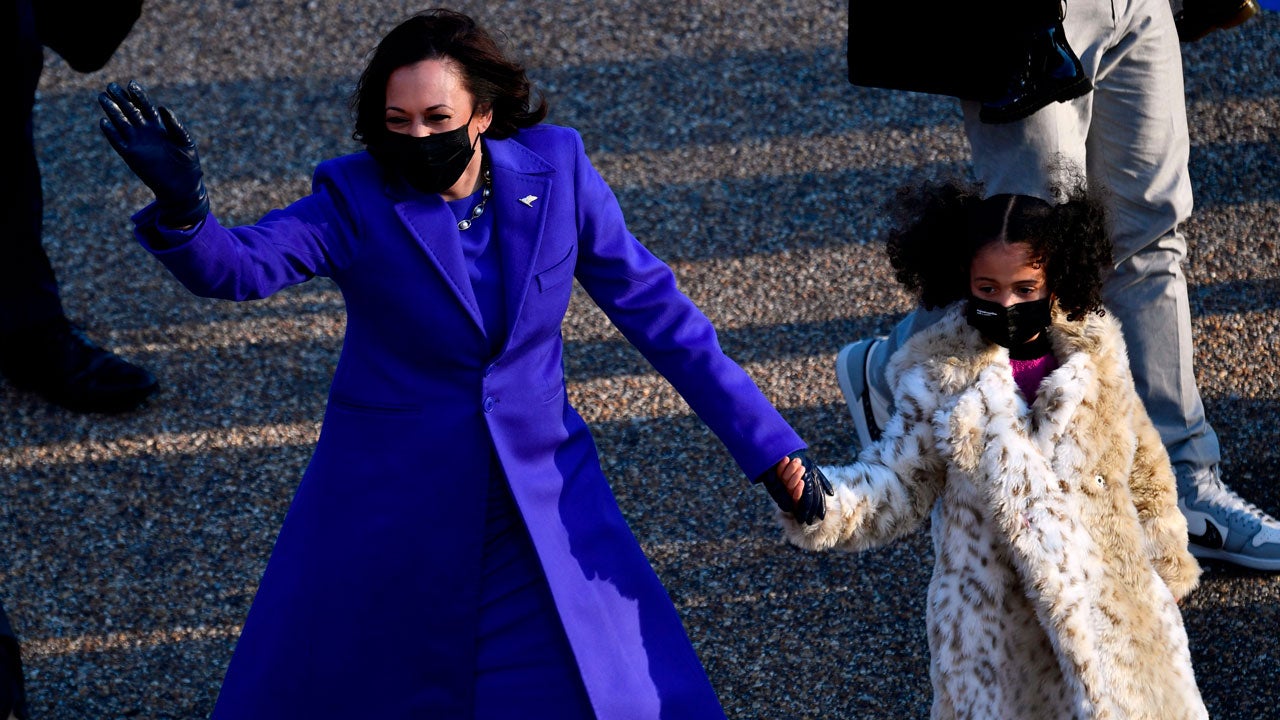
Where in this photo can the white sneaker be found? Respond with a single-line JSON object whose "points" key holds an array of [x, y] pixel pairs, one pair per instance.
{"points": [[870, 411], [1222, 526]]}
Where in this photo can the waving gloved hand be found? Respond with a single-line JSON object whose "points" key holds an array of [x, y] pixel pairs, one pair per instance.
{"points": [[812, 505], [159, 150]]}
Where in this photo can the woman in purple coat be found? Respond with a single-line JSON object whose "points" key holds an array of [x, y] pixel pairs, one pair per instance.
{"points": [[454, 549]]}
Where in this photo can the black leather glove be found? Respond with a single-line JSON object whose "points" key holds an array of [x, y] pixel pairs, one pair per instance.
{"points": [[812, 506], [159, 150]]}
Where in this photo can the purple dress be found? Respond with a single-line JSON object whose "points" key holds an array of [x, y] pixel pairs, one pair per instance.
{"points": [[523, 658]]}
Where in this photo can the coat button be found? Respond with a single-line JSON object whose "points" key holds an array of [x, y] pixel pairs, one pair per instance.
{"points": [[489, 402]]}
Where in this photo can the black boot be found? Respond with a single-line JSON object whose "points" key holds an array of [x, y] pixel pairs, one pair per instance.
{"points": [[59, 363], [1047, 70], [1198, 18]]}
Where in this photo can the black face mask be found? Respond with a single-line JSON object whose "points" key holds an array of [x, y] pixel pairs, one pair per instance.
{"points": [[1008, 326], [431, 164]]}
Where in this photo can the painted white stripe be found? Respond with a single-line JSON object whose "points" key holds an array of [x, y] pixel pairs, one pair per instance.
{"points": [[52, 647]]}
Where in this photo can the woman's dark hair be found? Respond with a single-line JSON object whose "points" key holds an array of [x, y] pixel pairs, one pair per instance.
{"points": [[941, 227], [487, 73]]}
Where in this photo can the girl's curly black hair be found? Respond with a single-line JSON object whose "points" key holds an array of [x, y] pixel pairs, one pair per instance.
{"points": [[488, 74], [941, 227]]}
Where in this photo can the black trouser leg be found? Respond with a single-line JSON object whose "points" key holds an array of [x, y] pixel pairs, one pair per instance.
{"points": [[12, 693], [28, 288]]}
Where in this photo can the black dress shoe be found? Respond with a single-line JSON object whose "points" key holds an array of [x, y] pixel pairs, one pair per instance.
{"points": [[1201, 17], [58, 362], [1048, 71]]}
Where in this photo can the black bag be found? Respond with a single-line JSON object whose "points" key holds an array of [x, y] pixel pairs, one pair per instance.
{"points": [[942, 47], [85, 33]]}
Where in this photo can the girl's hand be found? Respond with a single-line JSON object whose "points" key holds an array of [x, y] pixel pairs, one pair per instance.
{"points": [[798, 487], [791, 472]]}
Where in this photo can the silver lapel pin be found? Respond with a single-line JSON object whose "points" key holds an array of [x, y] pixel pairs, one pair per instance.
{"points": [[528, 200]]}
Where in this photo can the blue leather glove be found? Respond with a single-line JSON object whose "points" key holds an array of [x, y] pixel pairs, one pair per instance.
{"points": [[159, 150], [812, 506]]}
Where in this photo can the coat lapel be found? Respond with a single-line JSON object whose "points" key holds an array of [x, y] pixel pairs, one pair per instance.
{"points": [[1063, 391], [521, 195], [431, 223]]}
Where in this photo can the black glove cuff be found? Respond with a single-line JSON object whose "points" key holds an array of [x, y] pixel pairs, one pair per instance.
{"points": [[778, 492], [185, 214]]}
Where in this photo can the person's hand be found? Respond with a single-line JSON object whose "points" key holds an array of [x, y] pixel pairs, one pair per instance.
{"points": [[159, 150], [791, 472], [798, 487]]}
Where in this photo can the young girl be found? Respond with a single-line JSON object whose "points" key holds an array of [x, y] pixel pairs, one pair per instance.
{"points": [[1060, 553]]}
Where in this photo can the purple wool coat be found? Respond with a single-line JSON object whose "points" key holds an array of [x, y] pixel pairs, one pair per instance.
{"points": [[367, 607]]}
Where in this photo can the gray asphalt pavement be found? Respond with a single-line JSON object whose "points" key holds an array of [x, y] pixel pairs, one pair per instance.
{"points": [[132, 545]]}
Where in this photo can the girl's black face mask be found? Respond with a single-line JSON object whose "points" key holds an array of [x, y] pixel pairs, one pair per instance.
{"points": [[431, 164], [1008, 326]]}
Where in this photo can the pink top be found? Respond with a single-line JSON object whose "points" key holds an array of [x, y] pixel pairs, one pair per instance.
{"points": [[1029, 373]]}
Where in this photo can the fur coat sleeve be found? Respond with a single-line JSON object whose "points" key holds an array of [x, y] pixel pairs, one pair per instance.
{"points": [[889, 491]]}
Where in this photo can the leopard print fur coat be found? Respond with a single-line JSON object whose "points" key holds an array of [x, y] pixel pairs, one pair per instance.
{"points": [[1059, 551]]}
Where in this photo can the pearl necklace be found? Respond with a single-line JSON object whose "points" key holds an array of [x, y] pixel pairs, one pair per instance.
{"points": [[478, 210]]}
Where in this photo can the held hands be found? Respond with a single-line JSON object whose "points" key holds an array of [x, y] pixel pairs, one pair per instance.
{"points": [[159, 150], [799, 487]]}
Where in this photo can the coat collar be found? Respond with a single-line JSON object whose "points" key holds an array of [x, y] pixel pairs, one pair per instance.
{"points": [[521, 184], [959, 360]]}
